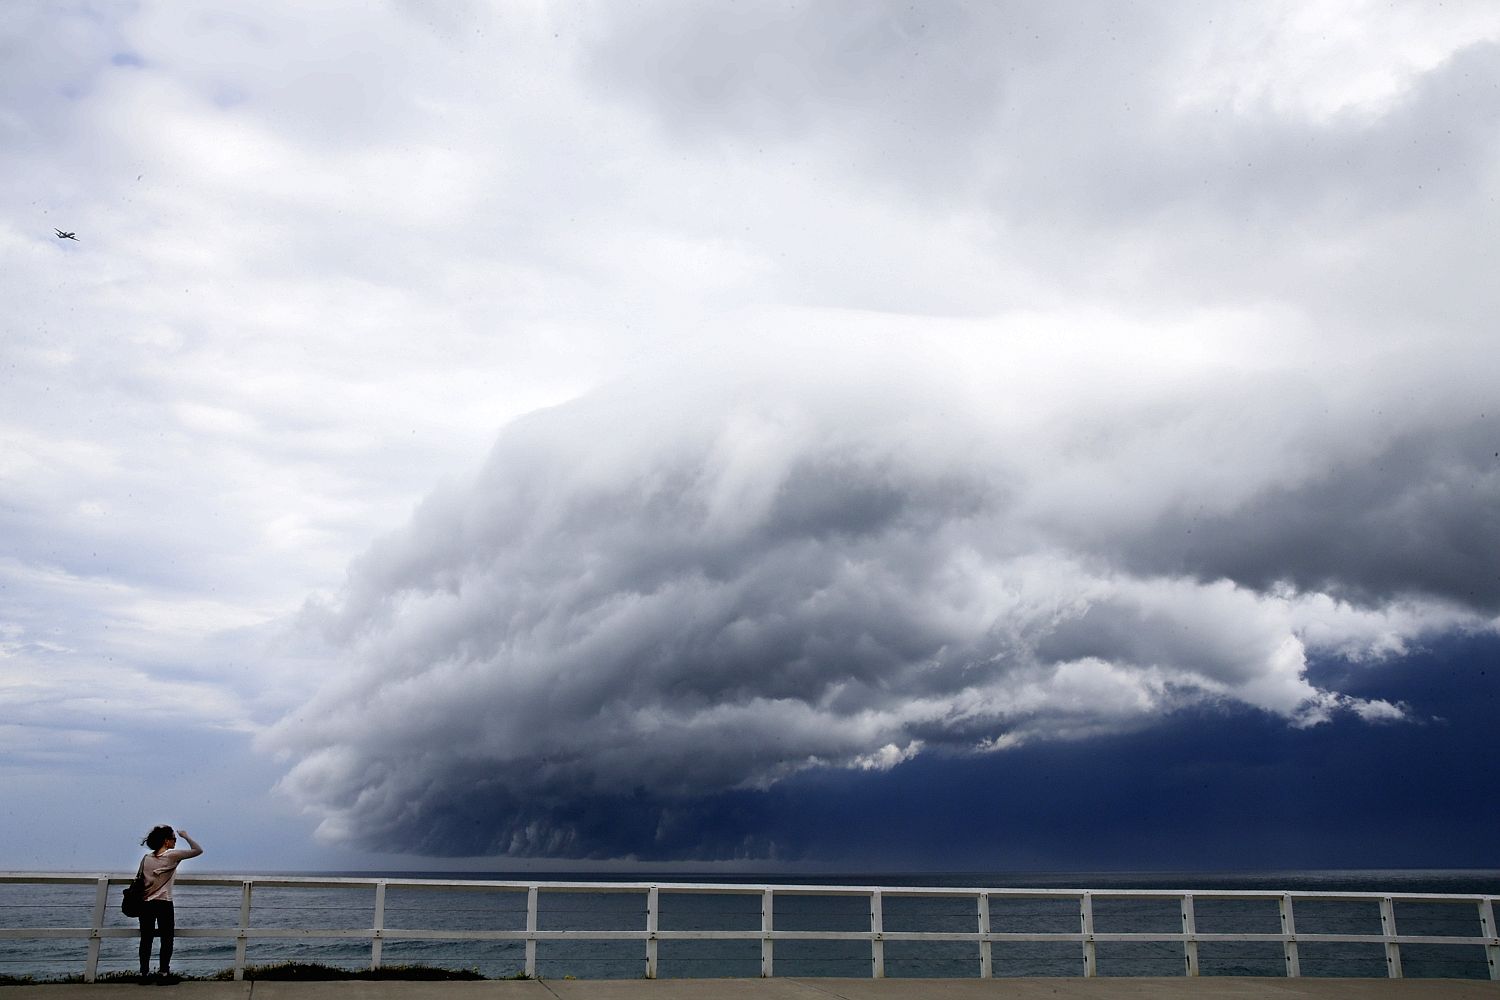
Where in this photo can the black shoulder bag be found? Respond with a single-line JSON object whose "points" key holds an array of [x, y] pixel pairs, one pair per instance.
{"points": [[135, 893]]}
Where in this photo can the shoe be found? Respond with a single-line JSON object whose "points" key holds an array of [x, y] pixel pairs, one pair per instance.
{"points": [[167, 979]]}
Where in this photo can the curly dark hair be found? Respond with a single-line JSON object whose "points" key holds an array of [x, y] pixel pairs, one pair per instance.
{"points": [[159, 835]]}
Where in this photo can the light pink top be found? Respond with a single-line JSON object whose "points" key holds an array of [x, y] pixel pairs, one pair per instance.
{"points": [[161, 872]]}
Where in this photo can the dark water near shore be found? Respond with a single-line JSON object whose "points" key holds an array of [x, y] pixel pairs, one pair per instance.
{"points": [[215, 907]]}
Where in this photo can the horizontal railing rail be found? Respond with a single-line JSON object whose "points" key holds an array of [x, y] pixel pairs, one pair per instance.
{"points": [[650, 933]]}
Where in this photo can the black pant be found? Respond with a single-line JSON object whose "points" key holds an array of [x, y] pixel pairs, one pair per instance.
{"points": [[157, 919]]}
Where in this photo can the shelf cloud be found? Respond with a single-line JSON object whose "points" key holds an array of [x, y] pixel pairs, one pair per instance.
{"points": [[692, 585]]}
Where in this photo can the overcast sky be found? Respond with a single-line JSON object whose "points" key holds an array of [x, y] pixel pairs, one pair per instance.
{"points": [[847, 434]]}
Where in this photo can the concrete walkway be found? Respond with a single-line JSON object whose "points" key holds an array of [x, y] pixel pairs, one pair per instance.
{"points": [[1176, 988]]}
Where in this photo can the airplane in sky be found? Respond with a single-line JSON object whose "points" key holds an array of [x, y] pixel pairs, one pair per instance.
{"points": [[65, 236]]}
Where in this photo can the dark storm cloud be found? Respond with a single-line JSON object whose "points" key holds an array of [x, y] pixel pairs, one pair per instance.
{"points": [[1230, 414], [1420, 517], [660, 599]]}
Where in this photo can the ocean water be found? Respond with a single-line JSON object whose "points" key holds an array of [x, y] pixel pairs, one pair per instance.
{"points": [[413, 907]]}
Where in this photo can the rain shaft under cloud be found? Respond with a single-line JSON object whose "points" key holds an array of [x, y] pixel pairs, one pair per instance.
{"points": [[663, 597]]}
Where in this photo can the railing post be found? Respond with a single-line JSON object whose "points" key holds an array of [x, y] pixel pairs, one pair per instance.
{"points": [[1289, 936], [531, 894], [1086, 918], [241, 933], [1388, 928], [986, 964], [877, 936], [378, 926], [767, 944], [1189, 935], [1492, 939], [652, 900], [96, 924]]}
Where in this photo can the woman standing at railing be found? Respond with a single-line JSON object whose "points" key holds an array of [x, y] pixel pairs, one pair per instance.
{"points": [[158, 918]]}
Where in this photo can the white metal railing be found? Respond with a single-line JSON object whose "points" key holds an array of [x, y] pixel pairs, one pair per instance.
{"points": [[983, 937]]}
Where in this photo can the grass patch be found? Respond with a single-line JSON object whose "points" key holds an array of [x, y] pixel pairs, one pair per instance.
{"points": [[313, 971], [74, 978], [279, 972]]}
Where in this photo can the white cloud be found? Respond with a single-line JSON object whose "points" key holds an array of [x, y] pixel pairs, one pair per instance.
{"points": [[1326, 58]]}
